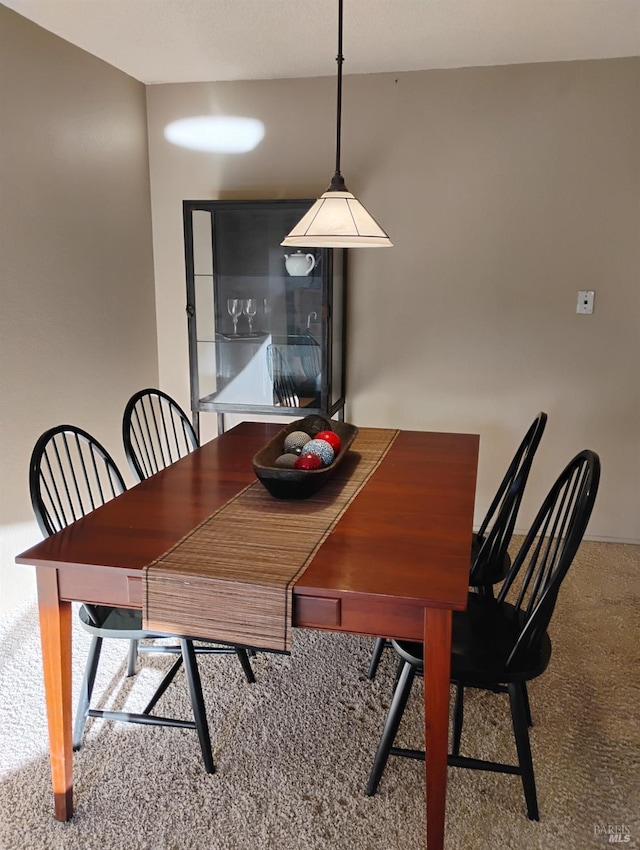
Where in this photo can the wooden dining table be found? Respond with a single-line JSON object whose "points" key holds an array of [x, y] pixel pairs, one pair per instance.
{"points": [[396, 564]]}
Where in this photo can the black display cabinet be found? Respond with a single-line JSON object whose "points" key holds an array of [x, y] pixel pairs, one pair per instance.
{"points": [[266, 323]]}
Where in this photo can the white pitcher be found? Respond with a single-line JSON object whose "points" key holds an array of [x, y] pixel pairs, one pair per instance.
{"points": [[299, 264]]}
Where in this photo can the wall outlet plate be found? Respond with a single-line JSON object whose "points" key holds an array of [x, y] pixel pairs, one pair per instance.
{"points": [[585, 302]]}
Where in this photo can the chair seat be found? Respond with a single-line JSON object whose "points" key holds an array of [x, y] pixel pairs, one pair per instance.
{"points": [[112, 622], [483, 637], [482, 640], [117, 623]]}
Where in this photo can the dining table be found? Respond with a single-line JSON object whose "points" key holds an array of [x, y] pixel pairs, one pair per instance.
{"points": [[393, 562]]}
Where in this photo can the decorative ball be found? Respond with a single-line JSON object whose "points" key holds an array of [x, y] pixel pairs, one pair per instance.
{"points": [[308, 461], [313, 424], [322, 449], [286, 461], [295, 440], [330, 437]]}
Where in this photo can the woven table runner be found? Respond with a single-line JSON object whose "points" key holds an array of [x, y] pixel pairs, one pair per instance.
{"points": [[230, 579]]}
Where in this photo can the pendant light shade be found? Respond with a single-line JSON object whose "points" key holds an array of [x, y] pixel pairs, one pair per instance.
{"points": [[337, 219]]}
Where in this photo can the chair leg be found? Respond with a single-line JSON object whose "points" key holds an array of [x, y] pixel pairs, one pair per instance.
{"points": [[458, 717], [133, 657], [399, 668], [86, 689], [246, 666], [197, 701], [525, 762], [391, 726], [525, 700], [378, 648]]}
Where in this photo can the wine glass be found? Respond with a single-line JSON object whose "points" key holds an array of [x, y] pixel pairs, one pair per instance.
{"points": [[234, 309], [250, 309]]}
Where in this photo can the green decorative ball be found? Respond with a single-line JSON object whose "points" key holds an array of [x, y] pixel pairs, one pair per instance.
{"points": [[313, 424]]}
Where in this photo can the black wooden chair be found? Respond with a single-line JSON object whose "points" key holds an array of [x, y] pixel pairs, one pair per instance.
{"points": [[490, 560], [284, 391], [311, 360], [499, 644], [70, 475], [156, 432]]}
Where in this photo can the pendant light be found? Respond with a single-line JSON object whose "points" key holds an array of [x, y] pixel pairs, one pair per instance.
{"points": [[337, 219]]}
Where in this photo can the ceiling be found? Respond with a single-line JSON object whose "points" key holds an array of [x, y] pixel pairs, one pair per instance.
{"points": [[179, 41]]}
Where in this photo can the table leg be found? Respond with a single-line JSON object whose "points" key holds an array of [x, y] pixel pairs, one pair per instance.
{"points": [[437, 669], [55, 635]]}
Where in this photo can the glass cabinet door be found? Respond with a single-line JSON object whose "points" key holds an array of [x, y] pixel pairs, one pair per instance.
{"points": [[266, 323]]}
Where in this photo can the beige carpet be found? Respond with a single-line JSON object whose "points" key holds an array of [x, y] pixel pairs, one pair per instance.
{"points": [[293, 751]]}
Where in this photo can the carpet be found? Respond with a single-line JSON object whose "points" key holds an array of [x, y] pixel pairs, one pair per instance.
{"points": [[293, 750]]}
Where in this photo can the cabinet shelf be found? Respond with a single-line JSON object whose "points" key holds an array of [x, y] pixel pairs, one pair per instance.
{"points": [[240, 337]]}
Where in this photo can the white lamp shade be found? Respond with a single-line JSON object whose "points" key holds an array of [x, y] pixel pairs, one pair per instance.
{"points": [[337, 220]]}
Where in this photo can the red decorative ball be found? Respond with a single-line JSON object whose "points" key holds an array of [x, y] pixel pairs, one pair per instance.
{"points": [[308, 461], [330, 437]]}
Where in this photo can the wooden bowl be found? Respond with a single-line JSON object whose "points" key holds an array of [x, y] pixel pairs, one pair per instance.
{"points": [[298, 483]]}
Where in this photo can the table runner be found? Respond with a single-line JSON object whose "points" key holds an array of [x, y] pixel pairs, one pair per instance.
{"points": [[231, 578]]}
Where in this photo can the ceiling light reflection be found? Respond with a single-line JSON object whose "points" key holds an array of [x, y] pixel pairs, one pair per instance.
{"points": [[216, 133]]}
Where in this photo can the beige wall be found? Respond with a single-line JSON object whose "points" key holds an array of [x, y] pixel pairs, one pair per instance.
{"points": [[77, 318], [505, 191]]}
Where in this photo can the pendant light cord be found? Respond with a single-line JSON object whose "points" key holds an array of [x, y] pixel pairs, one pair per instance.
{"points": [[337, 183]]}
